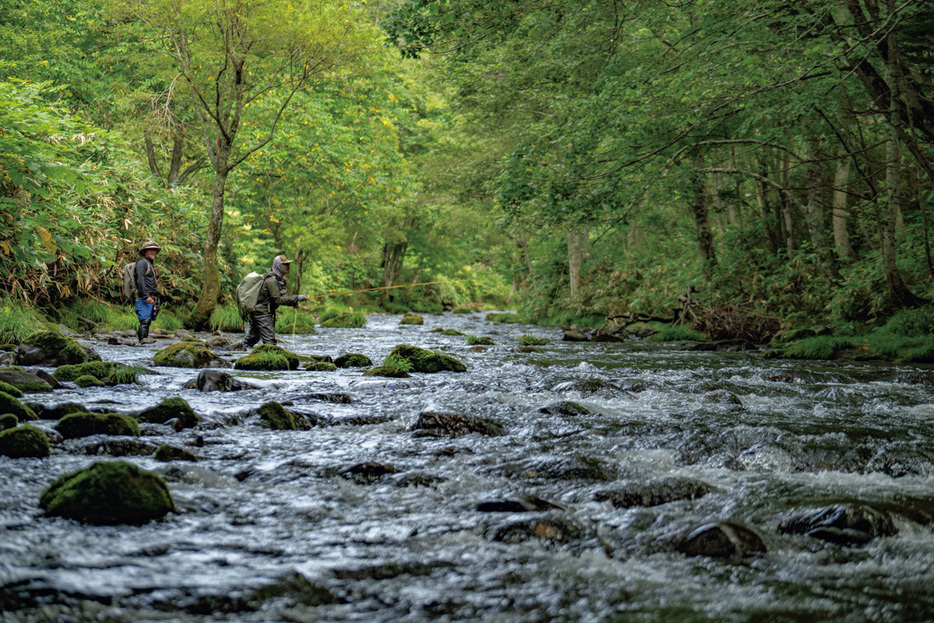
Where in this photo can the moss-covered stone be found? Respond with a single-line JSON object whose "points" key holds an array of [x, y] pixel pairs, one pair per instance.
{"points": [[187, 355], [388, 371], [89, 381], [291, 357], [77, 425], [59, 411], [11, 390], [321, 366], [473, 340], [108, 493], [353, 360], [263, 361], [166, 453], [26, 382], [24, 441], [8, 420], [108, 372], [349, 320], [273, 415], [9, 404], [423, 360], [412, 318], [170, 409], [451, 332], [49, 348]]}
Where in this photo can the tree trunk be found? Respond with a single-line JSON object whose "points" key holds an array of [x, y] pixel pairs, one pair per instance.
{"points": [[298, 265], [766, 214], [788, 218], [815, 220], [841, 237], [700, 209], [393, 257], [200, 318], [575, 258]]}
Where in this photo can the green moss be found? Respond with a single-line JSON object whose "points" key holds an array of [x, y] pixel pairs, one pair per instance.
{"points": [[24, 441], [350, 320], [295, 322], [263, 361], [411, 318], [111, 373], [75, 425], [89, 381], [9, 404], [109, 493], [11, 390], [170, 409], [165, 453], [8, 420], [473, 340], [677, 334], [531, 340], [291, 357], [68, 349], [388, 371], [504, 317], [353, 360], [273, 415], [451, 332], [185, 355], [427, 361], [321, 366]]}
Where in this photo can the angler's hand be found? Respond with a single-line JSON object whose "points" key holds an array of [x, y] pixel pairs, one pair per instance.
{"points": [[302, 297]]}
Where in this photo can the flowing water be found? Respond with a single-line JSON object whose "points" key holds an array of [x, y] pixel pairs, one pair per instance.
{"points": [[270, 527]]}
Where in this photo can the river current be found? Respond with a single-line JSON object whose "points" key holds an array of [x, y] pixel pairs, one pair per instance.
{"points": [[272, 525]]}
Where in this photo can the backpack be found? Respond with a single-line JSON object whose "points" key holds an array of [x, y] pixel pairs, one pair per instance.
{"points": [[248, 293], [130, 291]]}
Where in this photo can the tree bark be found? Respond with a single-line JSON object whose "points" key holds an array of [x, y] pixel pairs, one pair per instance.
{"points": [[575, 258], [200, 318], [701, 211], [841, 236], [815, 220]]}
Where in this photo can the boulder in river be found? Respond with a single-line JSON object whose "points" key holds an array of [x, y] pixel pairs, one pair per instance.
{"points": [[565, 407], [28, 382], [843, 524], [166, 453], [268, 357], [108, 493], [77, 425], [525, 504], [654, 492], [435, 424], [588, 387], [273, 415], [321, 366], [412, 318], [170, 409], [9, 404], [24, 441], [551, 528], [52, 349], [57, 412], [211, 380], [8, 420], [424, 360], [188, 355], [367, 473], [723, 539], [109, 372], [12, 390], [388, 371], [120, 446], [353, 360]]}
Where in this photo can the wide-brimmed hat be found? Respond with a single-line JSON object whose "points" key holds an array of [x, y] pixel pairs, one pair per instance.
{"points": [[283, 260], [149, 244]]}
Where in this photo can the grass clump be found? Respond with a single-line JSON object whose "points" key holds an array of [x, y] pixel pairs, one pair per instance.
{"points": [[394, 366], [504, 317], [822, 347], [677, 334], [531, 340], [295, 322], [341, 318], [17, 321], [473, 340], [226, 318]]}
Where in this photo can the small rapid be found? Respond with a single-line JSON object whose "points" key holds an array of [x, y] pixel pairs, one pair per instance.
{"points": [[612, 455]]}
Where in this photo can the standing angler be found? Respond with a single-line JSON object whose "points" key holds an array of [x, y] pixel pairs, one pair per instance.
{"points": [[272, 294], [147, 303]]}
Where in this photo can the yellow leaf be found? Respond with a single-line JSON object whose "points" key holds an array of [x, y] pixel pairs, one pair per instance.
{"points": [[46, 238], [6, 248]]}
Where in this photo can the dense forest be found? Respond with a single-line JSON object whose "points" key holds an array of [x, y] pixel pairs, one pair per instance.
{"points": [[570, 158]]}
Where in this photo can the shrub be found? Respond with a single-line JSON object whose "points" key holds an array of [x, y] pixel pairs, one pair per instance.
{"points": [[911, 322], [823, 347], [17, 322]]}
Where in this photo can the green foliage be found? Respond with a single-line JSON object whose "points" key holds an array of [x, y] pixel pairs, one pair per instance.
{"points": [[822, 347], [473, 340], [227, 318], [295, 322], [505, 318], [531, 340], [674, 334], [911, 322], [18, 321]]}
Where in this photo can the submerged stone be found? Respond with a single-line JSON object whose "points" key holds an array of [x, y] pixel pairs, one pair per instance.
{"points": [[435, 424], [367, 473], [108, 493], [24, 441], [170, 409], [77, 425], [565, 407], [51, 349], [654, 492], [724, 539], [9, 404], [218, 381], [166, 453], [550, 529], [423, 360], [843, 524], [527, 504]]}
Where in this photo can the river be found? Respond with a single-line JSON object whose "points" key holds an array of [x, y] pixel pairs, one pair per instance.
{"points": [[271, 527]]}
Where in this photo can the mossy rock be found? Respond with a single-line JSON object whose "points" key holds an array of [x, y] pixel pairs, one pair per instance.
{"points": [[503, 317], [423, 360], [49, 348], [24, 441], [8, 420], [473, 340], [321, 366], [9, 404], [291, 357], [108, 372], [353, 360], [435, 424], [77, 425], [451, 332], [388, 371], [89, 381], [263, 361], [166, 453], [60, 411], [349, 320], [187, 355], [11, 390], [108, 493], [412, 318], [170, 409], [273, 415], [26, 382]]}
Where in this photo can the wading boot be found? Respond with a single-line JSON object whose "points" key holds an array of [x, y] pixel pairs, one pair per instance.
{"points": [[143, 331]]}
